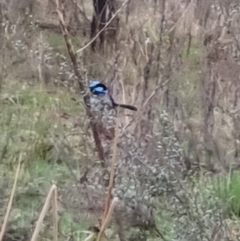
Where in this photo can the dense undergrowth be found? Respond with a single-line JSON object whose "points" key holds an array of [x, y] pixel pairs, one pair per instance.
{"points": [[34, 119]]}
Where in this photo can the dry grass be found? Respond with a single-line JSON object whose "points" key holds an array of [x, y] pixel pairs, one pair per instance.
{"points": [[51, 199], [4, 225]]}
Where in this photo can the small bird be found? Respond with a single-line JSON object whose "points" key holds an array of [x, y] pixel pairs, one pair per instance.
{"points": [[100, 90]]}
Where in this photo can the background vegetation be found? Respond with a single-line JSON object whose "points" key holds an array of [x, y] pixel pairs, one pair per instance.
{"points": [[178, 156]]}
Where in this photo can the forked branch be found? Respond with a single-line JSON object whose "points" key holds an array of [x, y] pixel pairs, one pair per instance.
{"points": [[80, 80]]}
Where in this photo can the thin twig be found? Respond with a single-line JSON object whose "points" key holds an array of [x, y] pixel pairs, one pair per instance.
{"points": [[11, 199], [82, 12], [107, 219], [106, 25], [145, 103], [43, 212], [112, 172], [109, 206], [55, 215], [185, 12], [154, 92], [124, 97]]}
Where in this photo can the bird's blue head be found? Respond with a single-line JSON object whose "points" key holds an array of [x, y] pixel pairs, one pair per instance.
{"points": [[97, 88]]}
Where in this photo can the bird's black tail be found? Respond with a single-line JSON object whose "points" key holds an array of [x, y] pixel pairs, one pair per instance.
{"points": [[130, 107]]}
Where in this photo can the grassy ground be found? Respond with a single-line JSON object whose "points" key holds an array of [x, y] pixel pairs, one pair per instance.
{"points": [[42, 125]]}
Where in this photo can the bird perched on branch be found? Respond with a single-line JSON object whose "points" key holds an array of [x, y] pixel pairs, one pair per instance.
{"points": [[103, 109], [100, 91]]}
